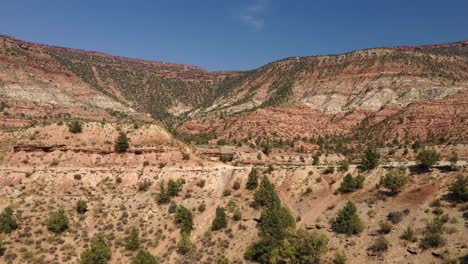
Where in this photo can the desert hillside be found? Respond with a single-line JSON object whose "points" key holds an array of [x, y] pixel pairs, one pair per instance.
{"points": [[352, 158]]}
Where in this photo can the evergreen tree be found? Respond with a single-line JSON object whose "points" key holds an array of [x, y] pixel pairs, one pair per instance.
{"points": [[220, 220], [144, 257], [347, 221], [348, 184], [252, 181], [7, 221], [121, 143], [371, 159], [163, 196], [266, 195], [184, 219], [58, 221], [184, 245], [458, 191], [99, 251], [174, 187], [132, 241]]}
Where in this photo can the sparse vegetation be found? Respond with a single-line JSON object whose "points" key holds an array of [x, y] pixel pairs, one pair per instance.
{"points": [[428, 157], [371, 159], [458, 191], [220, 220], [58, 221], [81, 207], [347, 220], [7, 221], [132, 241], [75, 127], [252, 181], [394, 180], [351, 183], [433, 233], [144, 257], [184, 219], [99, 252], [121, 143]]}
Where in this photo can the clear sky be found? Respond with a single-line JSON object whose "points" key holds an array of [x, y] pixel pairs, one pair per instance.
{"points": [[232, 35]]}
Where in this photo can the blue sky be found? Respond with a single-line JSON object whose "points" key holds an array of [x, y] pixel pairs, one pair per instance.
{"points": [[232, 35]]}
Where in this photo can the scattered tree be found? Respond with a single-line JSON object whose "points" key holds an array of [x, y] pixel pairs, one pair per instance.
{"points": [[144, 257], [394, 180], [350, 183], [121, 143], [184, 245], [132, 241], [266, 195], [428, 157], [220, 220], [58, 221], [7, 221], [371, 159], [184, 219], [99, 251], [347, 221], [458, 191], [252, 181]]}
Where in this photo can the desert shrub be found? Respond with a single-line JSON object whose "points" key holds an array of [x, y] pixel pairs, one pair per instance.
{"points": [[350, 183], [132, 241], [225, 158], [339, 259], [385, 227], [173, 189], [433, 233], [202, 207], [99, 252], [409, 234], [184, 219], [428, 157], [458, 190], [237, 216], [184, 245], [394, 180], [220, 220], [7, 221], [347, 220], [121, 144], [222, 260], [226, 192], [144, 257], [75, 127], [58, 221], [236, 185], [343, 165], [185, 156], [379, 246], [201, 183], [329, 170], [252, 181], [453, 158], [395, 217], [81, 207], [316, 160], [144, 185], [172, 208]]}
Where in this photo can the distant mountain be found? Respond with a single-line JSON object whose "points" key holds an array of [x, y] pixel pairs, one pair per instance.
{"points": [[382, 93]]}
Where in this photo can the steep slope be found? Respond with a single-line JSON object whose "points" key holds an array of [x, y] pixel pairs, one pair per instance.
{"points": [[343, 94]]}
